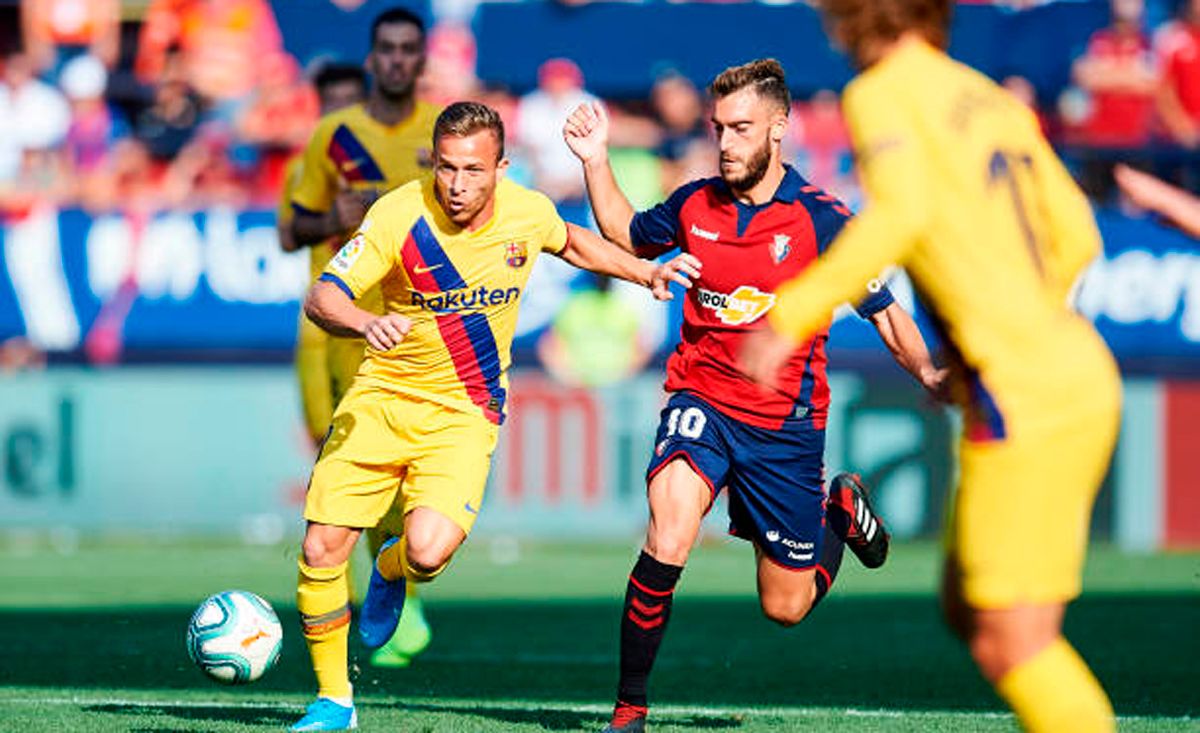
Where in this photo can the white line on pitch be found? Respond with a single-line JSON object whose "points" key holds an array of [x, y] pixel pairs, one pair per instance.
{"points": [[466, 705]]}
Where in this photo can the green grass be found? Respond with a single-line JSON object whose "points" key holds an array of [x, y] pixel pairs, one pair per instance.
{"points": [[525, 640]]}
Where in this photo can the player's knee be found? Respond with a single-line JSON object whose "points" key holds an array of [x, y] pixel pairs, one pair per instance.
{"points": [[991, 653], [324, 547], [785, 610], [669, 547], [426, 561]]}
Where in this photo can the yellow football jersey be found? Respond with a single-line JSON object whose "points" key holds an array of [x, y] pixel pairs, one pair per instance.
{"points": [[964, 192], [460, 288], [351, 149]]}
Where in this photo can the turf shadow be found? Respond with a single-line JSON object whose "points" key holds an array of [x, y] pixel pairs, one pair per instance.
{"points": [[549, 718], [855, 652]]}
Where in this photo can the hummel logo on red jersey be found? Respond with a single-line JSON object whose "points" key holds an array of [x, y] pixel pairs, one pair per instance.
{"points": [[711, 236]]}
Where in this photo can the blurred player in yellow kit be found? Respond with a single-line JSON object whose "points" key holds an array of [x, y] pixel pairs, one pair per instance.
{"points": [[420, 421], [338, 86], [357, 154], [965, 193]]}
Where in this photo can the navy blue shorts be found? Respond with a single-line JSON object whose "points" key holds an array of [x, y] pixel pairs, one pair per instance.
{"points": [[775, 477]]}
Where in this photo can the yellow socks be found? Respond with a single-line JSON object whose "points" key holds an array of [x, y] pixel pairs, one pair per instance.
{"points": [[323, 597], [1055, 691], [393, 563]]}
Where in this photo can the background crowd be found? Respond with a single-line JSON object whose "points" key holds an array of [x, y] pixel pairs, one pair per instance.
{"points": [[187, 104]]}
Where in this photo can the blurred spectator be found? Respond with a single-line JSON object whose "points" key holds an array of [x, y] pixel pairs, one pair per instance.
{"points": [[131, 181], [1118, 77], [55, 31], [94, 125], [173, 117], [595, 339], [223, 43], [34, 116], [540, 118], [283, 110], [680, 110], [1178, 97], [1117, 72], [824, 140], [450, 65]]}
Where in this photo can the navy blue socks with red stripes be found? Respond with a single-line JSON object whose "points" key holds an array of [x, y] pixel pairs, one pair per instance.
{"points": [[643, 622], [832, 548]]}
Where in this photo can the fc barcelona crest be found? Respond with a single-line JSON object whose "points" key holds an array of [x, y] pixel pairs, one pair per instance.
{"points": [[515, 254], [781, 248]]}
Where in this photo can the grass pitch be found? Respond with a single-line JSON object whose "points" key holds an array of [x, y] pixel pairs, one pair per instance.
{"points": [[525, 639]]}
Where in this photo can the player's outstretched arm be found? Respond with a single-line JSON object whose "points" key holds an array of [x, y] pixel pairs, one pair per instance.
{"points": [[893, 176], [1155, 194], [902, 337], [587, 251], [330, 308], [586, 134]]}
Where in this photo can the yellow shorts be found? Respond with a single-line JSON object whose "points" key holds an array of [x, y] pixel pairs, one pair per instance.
{"points": [[1019, 524], [382, 444]]}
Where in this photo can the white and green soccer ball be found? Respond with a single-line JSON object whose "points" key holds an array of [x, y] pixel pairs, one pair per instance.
{"points": [[234, 637]]}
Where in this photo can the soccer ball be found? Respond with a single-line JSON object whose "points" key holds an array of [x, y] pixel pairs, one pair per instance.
{"points": [[234, 637]]}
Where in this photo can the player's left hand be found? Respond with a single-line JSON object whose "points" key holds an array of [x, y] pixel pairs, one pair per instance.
{"points": [[763, 354], [681, 268]]}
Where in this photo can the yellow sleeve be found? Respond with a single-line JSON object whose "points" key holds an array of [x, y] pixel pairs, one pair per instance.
{"points": [[1074, 239], [291, 176], [366, 259], [551, 229], [554, 233], [316, 185], [897, 212]]}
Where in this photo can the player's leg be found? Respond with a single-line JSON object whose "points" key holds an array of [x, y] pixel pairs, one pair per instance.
{"points": [[352, 486], [1011, 569], [679, 498], [413, 634], [440, 495], [323, 598], [689, 461], [777, 501]]}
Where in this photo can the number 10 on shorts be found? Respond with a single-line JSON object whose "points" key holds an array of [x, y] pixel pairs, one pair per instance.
{"points": [[688, 422]]}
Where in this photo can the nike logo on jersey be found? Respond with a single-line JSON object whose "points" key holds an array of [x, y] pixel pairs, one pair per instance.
{"points": [[422, 270], [745, 305], [704, 234], [469, 508]]}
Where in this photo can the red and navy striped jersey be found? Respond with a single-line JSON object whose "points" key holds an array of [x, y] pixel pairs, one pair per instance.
{"points": [[747, 251]]}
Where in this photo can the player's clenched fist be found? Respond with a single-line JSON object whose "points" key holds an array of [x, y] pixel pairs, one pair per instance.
{"points": [[387, 331], [681, 269], [586, 131]]}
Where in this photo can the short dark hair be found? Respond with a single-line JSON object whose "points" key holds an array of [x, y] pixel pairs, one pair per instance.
{"points": [[764, 76], [334, 73], [462, 119], [396, 15]]}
